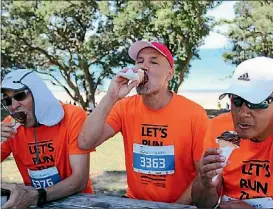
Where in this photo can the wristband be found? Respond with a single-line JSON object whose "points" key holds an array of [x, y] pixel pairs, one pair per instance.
{"points": [[42, 197]]}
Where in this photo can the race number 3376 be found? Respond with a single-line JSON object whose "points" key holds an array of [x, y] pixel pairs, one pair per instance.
{"points": [[157, 160], [44, 178]]}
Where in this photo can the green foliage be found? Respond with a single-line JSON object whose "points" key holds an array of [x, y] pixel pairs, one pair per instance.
{"points": [[251, 32], [181, 25], [73, 39], [53, 37]]}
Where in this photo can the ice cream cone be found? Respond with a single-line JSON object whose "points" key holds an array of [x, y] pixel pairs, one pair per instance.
{"points": [[134, 76], [226, 152], [223, 143], [227, 143]]}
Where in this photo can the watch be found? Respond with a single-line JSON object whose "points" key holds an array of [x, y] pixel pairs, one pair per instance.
{"points": [[42, 197]]}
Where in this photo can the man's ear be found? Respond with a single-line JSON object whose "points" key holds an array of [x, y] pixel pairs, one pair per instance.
{"points": [[170, 74]]}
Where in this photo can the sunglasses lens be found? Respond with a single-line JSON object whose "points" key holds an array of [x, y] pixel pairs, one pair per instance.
{"points": [[6, 101], [20, 96], [262, 105], [237, 101]]}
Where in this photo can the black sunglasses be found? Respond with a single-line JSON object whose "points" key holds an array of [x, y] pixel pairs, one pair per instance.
{"points": [[20, 96], [238, 102]]}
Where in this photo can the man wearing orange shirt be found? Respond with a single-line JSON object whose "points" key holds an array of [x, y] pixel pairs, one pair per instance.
{"points": [[162, 131], [43, 141], [245, 181]]}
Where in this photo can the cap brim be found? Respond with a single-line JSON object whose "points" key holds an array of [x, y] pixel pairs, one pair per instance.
{"points": [[12, 86], [254, 95], [136, 47]]}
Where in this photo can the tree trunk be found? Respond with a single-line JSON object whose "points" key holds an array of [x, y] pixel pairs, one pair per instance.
{"points": [[182, 71]]}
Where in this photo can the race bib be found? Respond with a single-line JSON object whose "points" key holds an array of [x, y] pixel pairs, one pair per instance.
{"points": [[4, 199], [265, 202], [157, 160], [44, 178]]}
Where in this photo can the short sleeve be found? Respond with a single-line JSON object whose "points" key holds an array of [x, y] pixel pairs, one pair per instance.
{"points": [[5, 150], [74, 128], [5, 146], [114, 118], [209, 141], [200, 125]]}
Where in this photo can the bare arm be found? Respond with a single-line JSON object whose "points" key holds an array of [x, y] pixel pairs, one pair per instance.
{"points": [[74, 183], [95, 131]]}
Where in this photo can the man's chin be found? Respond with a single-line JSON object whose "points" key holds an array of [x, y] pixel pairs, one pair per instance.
{"points": [[29, 124], [245, 134], [144, 91]]}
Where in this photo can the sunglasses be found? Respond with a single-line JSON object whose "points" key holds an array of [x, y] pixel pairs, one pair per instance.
{"points": [[20, 96], [238, 102]]}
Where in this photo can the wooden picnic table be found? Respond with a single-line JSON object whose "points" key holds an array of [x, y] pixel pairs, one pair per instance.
{"points": [[101, 201]]}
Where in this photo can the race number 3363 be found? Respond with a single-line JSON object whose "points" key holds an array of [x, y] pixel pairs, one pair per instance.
{"points": [[157, 160]]}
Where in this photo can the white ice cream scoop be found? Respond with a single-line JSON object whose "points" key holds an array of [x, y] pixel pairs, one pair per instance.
{"points": [[134, 76]]}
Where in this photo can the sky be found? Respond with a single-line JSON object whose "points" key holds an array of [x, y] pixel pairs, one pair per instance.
{"points": [[210, 73]]}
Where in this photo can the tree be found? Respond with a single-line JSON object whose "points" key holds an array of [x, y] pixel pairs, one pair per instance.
{"points": [[54, 38], [79, 43], [181, 25], [251, 31]]}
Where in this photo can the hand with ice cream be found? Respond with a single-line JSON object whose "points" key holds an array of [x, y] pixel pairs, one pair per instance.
{"points": [[125, 81], [212, 164], [134, 75], [228, 141], [8, 129]]}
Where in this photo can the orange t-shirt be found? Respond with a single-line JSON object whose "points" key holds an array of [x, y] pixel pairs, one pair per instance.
{"points": [[55, 144], [251, 166], [182, 123]]}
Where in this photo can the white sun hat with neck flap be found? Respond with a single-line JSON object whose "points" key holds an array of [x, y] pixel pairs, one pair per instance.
{"points": [[47, 109]]}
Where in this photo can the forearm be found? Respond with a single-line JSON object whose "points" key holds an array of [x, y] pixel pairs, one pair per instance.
{"points": [[204, 197], [90, 136], [185, 198], [68, 186]]}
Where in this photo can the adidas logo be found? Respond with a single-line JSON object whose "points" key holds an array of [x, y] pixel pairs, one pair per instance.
{"points": [[244, 77]]}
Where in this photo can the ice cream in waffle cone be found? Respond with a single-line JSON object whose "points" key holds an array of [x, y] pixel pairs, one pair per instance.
{"points": [[228, 141]]}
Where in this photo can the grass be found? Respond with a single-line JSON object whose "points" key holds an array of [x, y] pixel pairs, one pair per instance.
{"points": [[107, 168]]}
